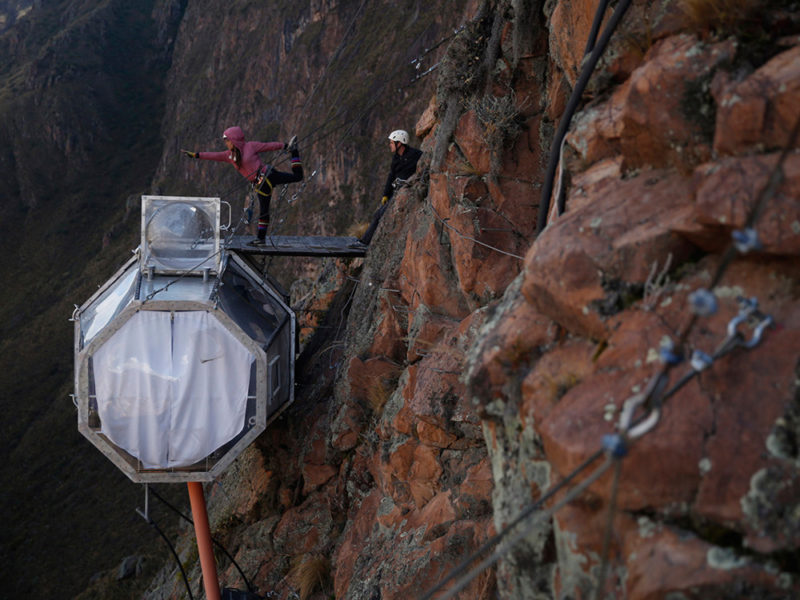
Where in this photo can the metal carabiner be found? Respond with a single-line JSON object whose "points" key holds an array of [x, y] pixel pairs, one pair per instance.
{"points": [[654, 390], [646, 425], [759, 331], [748, 307]]}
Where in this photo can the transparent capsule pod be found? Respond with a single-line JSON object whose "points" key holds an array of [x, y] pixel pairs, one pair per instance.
{"points": [[184, 356]]}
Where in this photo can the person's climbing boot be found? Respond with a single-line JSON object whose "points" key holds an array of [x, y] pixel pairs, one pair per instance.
{"points": [[257, 242]]}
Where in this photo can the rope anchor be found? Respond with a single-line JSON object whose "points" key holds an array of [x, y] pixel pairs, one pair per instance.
{"points": [[631, 430], [748, 310]]}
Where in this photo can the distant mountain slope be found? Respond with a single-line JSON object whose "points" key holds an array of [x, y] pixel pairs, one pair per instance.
{"points": [[81, 100]]}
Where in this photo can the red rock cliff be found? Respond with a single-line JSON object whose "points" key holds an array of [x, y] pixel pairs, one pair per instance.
{"points": [[480, 365]]}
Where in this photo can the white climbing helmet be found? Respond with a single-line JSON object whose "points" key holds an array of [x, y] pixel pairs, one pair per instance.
{"points": [[399, 136]]}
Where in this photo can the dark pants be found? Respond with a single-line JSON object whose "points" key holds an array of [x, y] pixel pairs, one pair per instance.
{"points": [[376, 218], [264, 186]]}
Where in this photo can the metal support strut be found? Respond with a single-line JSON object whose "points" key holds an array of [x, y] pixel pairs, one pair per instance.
{"points": [[204, 546]]}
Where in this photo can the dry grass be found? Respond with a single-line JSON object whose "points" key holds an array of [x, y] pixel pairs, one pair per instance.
{"points": [[657, 283], [502, 119], [357, 229], [310, 573]]}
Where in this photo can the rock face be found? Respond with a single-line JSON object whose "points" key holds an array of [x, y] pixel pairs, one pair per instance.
{"points": [[472, 366]]}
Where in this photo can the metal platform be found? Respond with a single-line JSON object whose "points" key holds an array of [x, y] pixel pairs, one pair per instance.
{"points": [[290, 245]]}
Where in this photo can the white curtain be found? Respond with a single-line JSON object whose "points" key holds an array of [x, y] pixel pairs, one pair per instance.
{"points": [[170, 391]]}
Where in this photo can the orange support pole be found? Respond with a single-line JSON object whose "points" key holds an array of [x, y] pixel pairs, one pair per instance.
{"points": [[204, 546]]}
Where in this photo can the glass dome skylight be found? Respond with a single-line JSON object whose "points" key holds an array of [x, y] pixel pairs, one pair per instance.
{"points": [[180, 235]]}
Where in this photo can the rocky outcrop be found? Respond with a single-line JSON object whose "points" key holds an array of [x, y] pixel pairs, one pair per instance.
{"points": [[652, 202], [481, 367]]}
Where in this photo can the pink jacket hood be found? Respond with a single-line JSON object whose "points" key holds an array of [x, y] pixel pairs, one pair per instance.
{"points": [[234, 134]]}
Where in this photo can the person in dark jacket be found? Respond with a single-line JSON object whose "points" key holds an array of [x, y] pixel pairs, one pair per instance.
{"points": [[243, 155], [404, 165]]}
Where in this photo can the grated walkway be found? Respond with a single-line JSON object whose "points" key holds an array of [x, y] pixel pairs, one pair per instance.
{"points": [[291, 245]]}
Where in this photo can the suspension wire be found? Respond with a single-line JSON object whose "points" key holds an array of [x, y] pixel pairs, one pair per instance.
{"points": [[382, 86], [767, 193], [416, 61], [472, 239], [586, 72], [615, 447], [612, 511], [146, 516], [598, 19], [524, 514], [177, 511], [511, 542], [733, 340]]}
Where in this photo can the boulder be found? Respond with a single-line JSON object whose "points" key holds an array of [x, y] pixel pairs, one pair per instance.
{"points": [[584, 267], [730, 189], [761, 110], [663, 115]]}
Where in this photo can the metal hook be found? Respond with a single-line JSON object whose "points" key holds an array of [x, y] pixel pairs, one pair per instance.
{"points": [[645, 426], [758, 332], [654, 390], [748, 307]]}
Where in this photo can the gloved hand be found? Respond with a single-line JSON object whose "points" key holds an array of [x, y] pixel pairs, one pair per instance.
{"points": [[291, 145], [191, 154], [384, 200]]}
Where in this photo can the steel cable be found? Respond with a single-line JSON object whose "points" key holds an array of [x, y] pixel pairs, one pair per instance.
{"points": [[572, 105], [498, 537], [511, 542], [218, 544]]}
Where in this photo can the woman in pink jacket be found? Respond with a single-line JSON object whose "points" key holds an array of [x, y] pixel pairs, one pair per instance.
{"points": [[244, 156]]}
